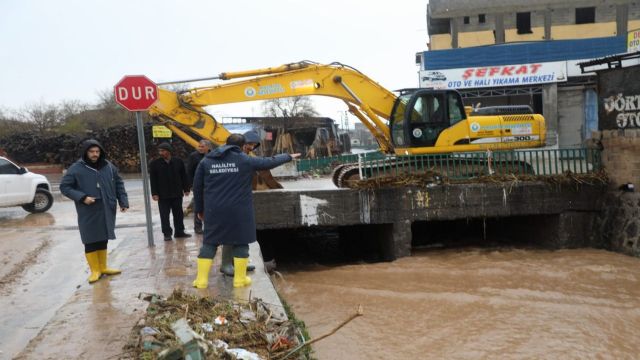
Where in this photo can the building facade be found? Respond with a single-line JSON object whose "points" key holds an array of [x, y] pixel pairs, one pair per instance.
{"points": [[517, 52]]}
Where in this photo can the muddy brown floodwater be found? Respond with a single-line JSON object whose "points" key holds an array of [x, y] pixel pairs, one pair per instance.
{"points": [[474, 304]]}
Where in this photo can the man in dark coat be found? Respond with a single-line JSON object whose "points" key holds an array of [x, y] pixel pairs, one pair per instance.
{"points": [[169, 183], [204, 146], [224, 200], [95, 186]]}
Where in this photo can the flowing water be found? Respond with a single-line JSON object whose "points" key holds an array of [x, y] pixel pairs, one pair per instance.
{"points": [[473, 303]]}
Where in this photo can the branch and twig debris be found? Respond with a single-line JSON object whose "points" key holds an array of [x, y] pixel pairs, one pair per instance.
{"points": [[359, 312], [186, 324], [432, 179]]}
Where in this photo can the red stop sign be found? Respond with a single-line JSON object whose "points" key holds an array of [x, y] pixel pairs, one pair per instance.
{"points": [[136, 92]]}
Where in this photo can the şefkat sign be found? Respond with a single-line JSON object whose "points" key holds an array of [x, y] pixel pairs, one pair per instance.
{"points": [[633, 41], [495, 76]]}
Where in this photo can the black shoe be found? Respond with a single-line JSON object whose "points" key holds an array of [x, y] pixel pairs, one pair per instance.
{"points": [[167, 238], [198, 231], [183, 235]]}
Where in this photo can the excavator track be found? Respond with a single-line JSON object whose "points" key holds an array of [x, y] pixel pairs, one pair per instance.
{"points": [[345, 175]]}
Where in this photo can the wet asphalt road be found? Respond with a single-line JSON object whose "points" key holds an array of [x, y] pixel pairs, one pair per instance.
{"points": [[49, 311]]}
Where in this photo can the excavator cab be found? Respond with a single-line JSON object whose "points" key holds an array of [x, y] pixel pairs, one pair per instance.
{"points": [[420, 115]]}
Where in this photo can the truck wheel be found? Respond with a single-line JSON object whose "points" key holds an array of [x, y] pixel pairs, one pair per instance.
{"points": [[42, 201]]}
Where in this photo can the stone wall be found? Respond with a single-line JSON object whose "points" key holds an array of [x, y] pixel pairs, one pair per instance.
{"points": [[618, 226], [620, 155]]}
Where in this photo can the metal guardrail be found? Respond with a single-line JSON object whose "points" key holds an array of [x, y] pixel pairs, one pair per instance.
{"points": [[328, 162], [542, 162]]}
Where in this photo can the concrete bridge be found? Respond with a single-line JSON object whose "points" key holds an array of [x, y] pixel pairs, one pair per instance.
{"points": [[554, 216]]}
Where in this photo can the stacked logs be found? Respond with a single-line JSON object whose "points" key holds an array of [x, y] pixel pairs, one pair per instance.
{"points": [[119, 142]]}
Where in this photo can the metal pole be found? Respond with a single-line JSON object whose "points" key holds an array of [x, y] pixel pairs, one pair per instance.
{"points": [[145, 177]]}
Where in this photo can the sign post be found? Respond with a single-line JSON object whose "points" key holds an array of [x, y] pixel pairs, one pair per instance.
{"points": [[137, 93]]}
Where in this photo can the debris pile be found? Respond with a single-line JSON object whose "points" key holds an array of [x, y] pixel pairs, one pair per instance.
{"points": [[566, 178], [426, 179], [431, 178], [186, 326], [120, 143]]}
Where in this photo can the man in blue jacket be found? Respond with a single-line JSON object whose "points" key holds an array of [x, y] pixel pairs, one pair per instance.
{"points": [[223, 199], [94, 184], [251, 142]]}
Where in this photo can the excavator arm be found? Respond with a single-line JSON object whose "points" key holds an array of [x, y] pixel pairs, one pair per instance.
{"points": [[421, 121], [365, 98]]}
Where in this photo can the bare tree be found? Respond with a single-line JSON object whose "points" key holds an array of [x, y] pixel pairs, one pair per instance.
{"points": [[42, 117], [9, 125], [177, 87], [108, 112], [107, 99], [71, 108], [296, 106]]}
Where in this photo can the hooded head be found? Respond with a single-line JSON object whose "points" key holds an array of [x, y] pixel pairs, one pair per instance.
{"points": [[93, 153], [235, 142], [252, 141]]}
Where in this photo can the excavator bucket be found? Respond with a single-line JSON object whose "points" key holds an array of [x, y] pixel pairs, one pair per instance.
{"points": [[264, 180]]}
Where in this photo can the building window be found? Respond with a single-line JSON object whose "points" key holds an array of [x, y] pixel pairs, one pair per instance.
{"points": [[586, 15], [523, 22], [465, 20], [481, 19]]}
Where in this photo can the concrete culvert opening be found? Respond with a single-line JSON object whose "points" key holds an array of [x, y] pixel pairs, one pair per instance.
{"points": [[516, 231], [322, 245]]}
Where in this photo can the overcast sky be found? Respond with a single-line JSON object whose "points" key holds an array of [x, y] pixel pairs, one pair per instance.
{"points": [[70, 49]]}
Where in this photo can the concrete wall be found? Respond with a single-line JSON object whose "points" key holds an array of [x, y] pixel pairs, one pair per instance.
{"points": [[550, 111], [549, 20], [452, 8], [633, 16], [393, 210]]}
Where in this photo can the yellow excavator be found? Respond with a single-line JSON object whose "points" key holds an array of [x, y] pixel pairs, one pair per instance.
{"points": [[414, 122]]}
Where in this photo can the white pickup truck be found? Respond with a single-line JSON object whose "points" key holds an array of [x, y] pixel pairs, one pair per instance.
{"points": [[19, 187]]}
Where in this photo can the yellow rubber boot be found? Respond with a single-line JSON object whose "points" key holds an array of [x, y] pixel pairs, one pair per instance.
{"points": [[240, 277], [94, 265], [102, 256], [202, 279]]}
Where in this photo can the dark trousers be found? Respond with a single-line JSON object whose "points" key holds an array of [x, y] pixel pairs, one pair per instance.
{"points": [[100, 245], [174, 206], [197, 223], [209, 251]]}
